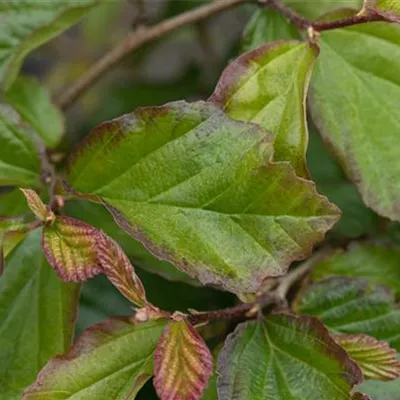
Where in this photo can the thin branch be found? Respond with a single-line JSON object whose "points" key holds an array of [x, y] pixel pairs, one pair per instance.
{"points": [[368, 15], [136, 39], [275, 297], [241, 310]]}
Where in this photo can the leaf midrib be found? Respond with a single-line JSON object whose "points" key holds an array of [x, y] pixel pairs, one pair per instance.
{"points": [[188, 208]]}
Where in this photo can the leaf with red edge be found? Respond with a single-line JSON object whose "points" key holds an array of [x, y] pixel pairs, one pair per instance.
{"points": [[35, 203], [70, 248], [78, 251], [111, 360], [284, 357], [268, 86], [376, 359], [120, 271], [199, 190], [182, 363]]}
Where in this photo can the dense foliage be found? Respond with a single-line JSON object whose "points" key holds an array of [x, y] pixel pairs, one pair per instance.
{"points": [[249, 237]]}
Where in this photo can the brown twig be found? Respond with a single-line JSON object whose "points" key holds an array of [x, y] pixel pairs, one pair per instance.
{"points": [[137, 39], [368, 15], [275, 297]]}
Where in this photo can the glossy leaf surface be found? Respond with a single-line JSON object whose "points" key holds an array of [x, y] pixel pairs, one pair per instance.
{"points": [[375, 358], [34, 105], [356, 73], [30, 23], [268, 86], [111, 360], [182, 363], [198, 189], [354, 306], [37, 315], [264, 360], [19, 156], [377, 263]]}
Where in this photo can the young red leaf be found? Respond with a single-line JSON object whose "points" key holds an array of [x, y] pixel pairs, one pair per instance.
{"points": [[70, 248], [376, 359], [182, 363], [35, 203], [78, 251], [120, 271]]}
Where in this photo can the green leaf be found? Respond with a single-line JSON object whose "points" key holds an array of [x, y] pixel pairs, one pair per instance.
{"points": [[266, 360], [379, 390], [376, 359], [377, 263], [30, 23], [356, 73], [314, 9], [99, 217], [34, 105], [37, 314], [267, 25], [192, 185], [13, 204], [12, 231], [353, 306], [19, 156], [111, 360], [182, 363], [268, 86], [356, 218]]}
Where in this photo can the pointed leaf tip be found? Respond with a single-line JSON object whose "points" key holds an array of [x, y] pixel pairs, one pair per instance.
{"points": [[79, 251], [182, 363], [376, 359], [120, 271], [35, 203]]}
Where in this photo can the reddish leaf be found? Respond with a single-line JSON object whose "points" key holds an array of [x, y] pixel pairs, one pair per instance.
{"points": [[78, 251], [120, 271], [70, 248], [182, 363], [376, 359]]}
